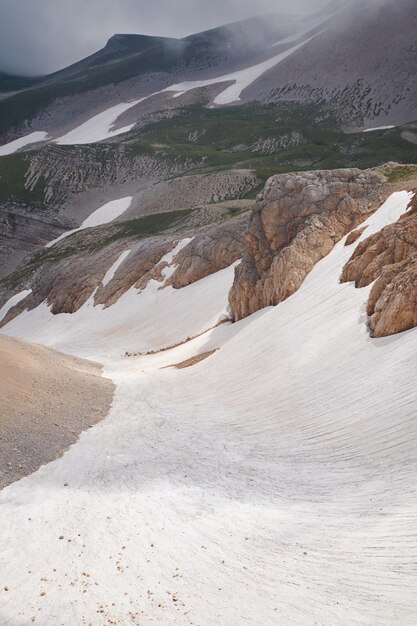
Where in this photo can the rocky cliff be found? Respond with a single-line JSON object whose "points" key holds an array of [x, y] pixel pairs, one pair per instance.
{"points": [[75, 269], [296, 221], [389, 257]]}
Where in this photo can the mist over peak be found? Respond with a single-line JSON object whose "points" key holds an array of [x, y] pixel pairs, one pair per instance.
{"points": [[43, 36]]}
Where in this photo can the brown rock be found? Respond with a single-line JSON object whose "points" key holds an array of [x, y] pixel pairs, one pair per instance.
{"points": [[296, 222], [389, 257], [354, 235], [74, 269], [210, 251]]}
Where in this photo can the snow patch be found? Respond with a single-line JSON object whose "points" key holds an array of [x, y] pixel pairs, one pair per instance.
{"points": [[13, 146], [242, 79], [100, 126], [13, 301], [371, 130], [105, 214], [113, 269], [168, 271]]}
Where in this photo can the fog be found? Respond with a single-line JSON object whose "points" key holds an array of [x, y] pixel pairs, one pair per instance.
{"points": [[41, 36]]}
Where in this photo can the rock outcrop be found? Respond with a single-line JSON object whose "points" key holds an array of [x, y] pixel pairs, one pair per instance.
{"points": [[296, 221], [389, 257], [24, 229], [354, 235], [72, 271], [210, 251]]}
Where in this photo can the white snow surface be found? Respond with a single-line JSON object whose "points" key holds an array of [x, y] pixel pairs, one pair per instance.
{"points": [[241, 79], [103, 215], [273, 483], [14, 146], [99, 127], [18, 297], [370, 130], [109, 275]]}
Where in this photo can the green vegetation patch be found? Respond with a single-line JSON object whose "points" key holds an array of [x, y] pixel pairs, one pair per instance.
{"points": [[396, 172], [13, 168], [303, 137]]}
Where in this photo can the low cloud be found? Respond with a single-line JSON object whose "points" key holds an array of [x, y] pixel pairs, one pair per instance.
{"points": [[41, 36]]}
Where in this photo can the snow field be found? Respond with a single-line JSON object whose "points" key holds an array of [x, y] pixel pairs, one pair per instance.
{"points": [[27, 140], [103, 215], [272, 483]]}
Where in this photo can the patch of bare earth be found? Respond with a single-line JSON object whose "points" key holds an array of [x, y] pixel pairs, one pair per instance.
{"points": [[47, 400], [193, 360], [179, 343]]}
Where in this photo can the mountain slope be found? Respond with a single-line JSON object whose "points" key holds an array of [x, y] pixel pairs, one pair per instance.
{"points": [[47, 400], [362, 65], [245, 272], [271, 481], [323, 58]]}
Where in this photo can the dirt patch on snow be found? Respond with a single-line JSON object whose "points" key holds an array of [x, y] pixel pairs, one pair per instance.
{"points": [[193, 360], [47, 400]]}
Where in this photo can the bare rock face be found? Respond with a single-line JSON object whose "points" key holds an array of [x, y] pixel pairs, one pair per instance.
{"points": [[74, 270], [389, 258], [210, 251], [296, 221], [354, 235]]}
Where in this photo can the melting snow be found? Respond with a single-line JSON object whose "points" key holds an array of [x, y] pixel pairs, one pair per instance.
{"points": [[272, 483], [100, 126], [13, 146], [113, 269], [370, 130], [105, 214], [13, 301]]}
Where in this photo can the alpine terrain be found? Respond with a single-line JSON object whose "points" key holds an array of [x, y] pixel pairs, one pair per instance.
{"points": [[208, 327]]}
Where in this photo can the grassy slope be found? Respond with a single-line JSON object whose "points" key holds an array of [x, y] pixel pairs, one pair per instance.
{"points": [[221, 130], [217, 133], [12, 181]]}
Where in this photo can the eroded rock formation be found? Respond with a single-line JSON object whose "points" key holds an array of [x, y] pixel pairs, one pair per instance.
{"points": [[389, 257], [74, 270], [296, 221]]}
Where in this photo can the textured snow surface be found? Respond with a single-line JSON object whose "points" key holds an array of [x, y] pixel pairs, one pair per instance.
{"points": [[273, 483], [105, 214], [13, 301], [13, 146]]}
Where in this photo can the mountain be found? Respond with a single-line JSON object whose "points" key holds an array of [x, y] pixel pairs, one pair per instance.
{"points": [[369, 75], [326, 59], [244, 456], [208, 329]]}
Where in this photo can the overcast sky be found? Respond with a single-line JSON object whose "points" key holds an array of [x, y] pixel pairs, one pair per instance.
{"points": [[40, 36]]}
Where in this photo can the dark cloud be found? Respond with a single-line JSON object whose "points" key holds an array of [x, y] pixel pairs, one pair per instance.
{"points": [[40, 36]]}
